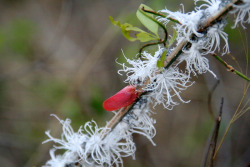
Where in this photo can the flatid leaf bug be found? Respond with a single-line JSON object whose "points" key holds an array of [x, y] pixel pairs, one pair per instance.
{"points": [[123, 98]]}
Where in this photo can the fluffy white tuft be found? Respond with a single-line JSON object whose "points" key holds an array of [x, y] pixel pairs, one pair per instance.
{"points": [[195, 60], [169, 84], [142, 123], [139, 71], [58, 160], [189, 22], [70, 140], [164, 84], [213, 38], [243, 15], [210, 6], [93, 148]]}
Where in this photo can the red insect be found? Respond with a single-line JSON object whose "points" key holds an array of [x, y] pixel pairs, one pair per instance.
{"points": [[123, 98]]}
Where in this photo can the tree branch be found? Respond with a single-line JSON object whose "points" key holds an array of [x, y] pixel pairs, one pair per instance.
{"points": [[173, 56]]}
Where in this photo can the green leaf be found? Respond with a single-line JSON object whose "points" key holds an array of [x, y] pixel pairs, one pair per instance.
{"points": [[140, 35], [147, 19], [171, 41], [160, 62], [145, 37]]}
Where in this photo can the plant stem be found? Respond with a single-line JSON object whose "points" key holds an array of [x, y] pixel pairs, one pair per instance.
{"points": [[171, 59], [149, 44], [231, 121], [216, 132], [161, 15], [230, 68], [209, 101], [161, 25], [210, 148]]}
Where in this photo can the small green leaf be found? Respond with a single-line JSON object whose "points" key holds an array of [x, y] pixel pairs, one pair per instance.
{"points": [[147, 19], [171, 41], [145, 37], [160, 62], [123, 27], [140, 35], [117, 23]]}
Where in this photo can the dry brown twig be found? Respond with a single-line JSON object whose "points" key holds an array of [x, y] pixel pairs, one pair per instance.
{"points": [[212, 142]]}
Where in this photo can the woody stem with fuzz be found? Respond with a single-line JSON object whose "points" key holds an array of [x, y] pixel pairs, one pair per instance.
{"points": [[209, 22], [171, 59]]}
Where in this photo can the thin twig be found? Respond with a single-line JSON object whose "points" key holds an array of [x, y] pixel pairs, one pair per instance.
{"points": [[231, 121], [215, 136], [231, 68], [161, 15], [210, 149], [209, 101], [171, 60], [149, 44]]}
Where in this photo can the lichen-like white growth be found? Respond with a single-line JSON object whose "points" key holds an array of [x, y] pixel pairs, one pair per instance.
{"points": [[213, 35], [139, 71], [142, 123], [195, 60], [58, 160], [116, 145], [189, 22], [164, 84], [243, 13], [89, 147], [168, 85], [215, 32], [70, 140], [210, 6], [93, 146]]}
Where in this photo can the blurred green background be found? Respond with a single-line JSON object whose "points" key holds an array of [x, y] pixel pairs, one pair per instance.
{"points": [[58, 57]]}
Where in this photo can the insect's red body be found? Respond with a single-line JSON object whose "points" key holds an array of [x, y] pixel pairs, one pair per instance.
{"points": [[123, 98]]}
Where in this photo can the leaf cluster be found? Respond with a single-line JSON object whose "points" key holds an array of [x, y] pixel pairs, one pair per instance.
{"points": [[147, 20]]}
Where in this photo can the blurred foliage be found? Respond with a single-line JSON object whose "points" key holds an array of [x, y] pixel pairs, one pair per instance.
{"points": [[70, 108], [96, 101], [3, 93], [16, 38], [50, 91]]}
